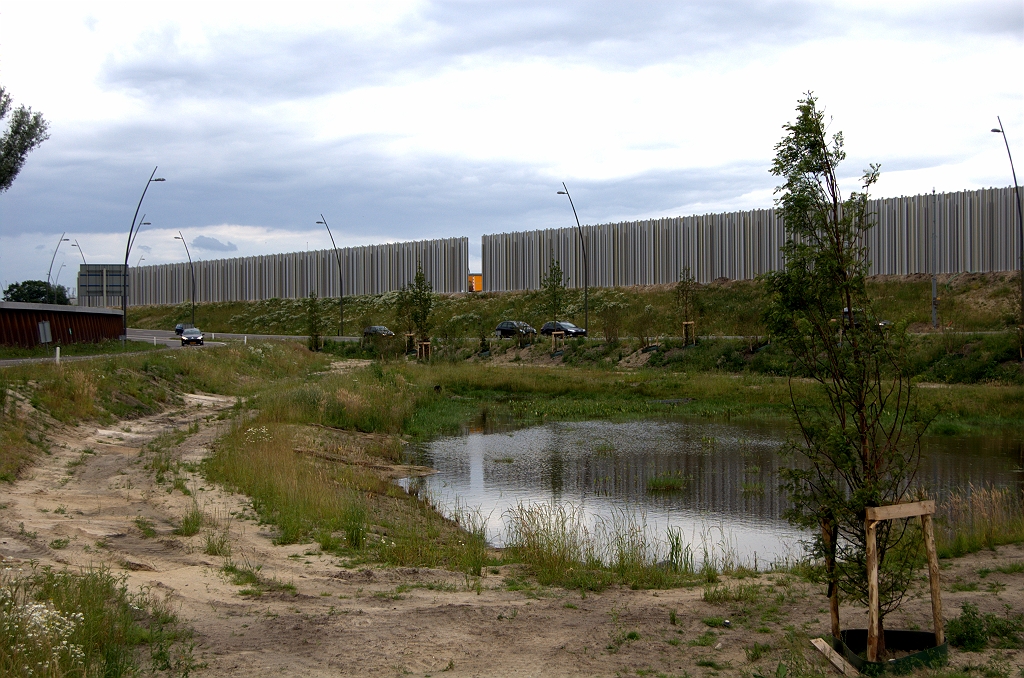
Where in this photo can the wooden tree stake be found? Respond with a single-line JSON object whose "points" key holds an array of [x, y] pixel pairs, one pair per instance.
{"points": [[871, 556], [933, 577], [874, 514]]}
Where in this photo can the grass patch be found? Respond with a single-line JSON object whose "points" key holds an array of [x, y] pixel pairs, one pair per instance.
{"points": [[669, 482], [248, 574], [757, 651], [145, 526], [706, 639], [192, 522], [87, 623], [740, 592], [217, 544], [106, 347], [1012, 568]]}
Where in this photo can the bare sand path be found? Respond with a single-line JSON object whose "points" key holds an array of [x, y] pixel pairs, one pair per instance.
{"points": [[94, 501]]}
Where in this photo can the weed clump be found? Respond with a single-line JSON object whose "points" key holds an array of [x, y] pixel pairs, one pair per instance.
{"points": [[973, 632]]}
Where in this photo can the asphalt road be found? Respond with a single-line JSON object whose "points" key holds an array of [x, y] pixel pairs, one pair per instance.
{"points": [[167, 335]]}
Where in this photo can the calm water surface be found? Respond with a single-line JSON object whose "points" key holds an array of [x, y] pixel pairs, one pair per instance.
{"points": [[730, 501]]}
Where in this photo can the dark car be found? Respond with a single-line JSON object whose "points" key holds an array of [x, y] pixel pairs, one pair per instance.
{"points": [[562, 326], [192, 336], [181, 327], [514, 328], [377, 331]]}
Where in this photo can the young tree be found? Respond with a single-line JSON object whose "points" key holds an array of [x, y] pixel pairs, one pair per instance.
{"points": [[314, 321], [25, 131], [611, 307], [421, 304], [686, 300], [553, 285], [861, 438]]}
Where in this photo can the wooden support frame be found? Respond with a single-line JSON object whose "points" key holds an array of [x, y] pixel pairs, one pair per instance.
{"points": [[557, 338], [876, 514], [410, 342], [689, 333], [423, 350]]}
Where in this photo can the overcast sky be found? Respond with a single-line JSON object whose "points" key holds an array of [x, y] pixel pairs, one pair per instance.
{"points": [[411, 120]]}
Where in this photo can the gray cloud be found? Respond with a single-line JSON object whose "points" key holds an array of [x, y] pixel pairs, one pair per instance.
{"points": [[202, 242], [260, 65], [264, 66]]}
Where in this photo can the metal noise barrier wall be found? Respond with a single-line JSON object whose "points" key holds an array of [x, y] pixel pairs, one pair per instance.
{"points": [[372, 269], [974, 231]]}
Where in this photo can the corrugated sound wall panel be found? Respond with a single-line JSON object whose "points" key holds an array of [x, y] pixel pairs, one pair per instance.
{"points": [[966, 231], [372, 269]]}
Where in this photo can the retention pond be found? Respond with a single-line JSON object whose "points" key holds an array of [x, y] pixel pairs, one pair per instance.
{"points": [[716, 482]]}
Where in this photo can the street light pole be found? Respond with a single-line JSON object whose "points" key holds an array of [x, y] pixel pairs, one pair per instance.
{"points": [[341, 280], [75, 244], [133, 233], [50, 270], [1020, 214], [586, 268], [193, 268]]}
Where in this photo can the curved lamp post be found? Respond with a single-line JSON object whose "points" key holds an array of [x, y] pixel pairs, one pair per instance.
{"points": [[341, 280], [1020, 215], [133, 233], [57, 280], [193, 268], [586, 269], [50, 270], [79, 247]]}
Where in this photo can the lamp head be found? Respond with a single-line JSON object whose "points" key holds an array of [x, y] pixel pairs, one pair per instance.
{"points": [[158, 179], [178, 237], [320, 222], [997, 130], [562, 193], [145, 223]]}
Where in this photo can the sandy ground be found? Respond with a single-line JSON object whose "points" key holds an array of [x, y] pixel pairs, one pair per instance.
{"points": [[378, 621]]}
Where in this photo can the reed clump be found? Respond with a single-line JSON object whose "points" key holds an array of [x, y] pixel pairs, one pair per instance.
{"points": [[562, 546], [974, 518]]}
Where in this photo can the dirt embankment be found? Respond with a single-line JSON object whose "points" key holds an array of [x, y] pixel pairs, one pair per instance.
{"points": [[94, 501]]}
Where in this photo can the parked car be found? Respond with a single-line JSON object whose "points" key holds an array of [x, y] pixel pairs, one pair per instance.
{"points": [[181, 327], [192, 336], [514, 328], [562, 326], [377, 331]]}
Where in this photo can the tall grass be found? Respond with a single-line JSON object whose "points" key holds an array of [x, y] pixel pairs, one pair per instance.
{"points": [[125, 387], [563, 546], [979, 517], [298, 494]]}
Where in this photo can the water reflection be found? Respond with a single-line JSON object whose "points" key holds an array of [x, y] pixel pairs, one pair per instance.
{"points": [[727, 474]]}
